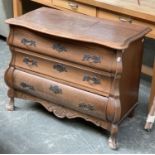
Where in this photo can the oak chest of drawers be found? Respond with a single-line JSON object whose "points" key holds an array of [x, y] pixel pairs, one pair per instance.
{"points": [[76, 66]]}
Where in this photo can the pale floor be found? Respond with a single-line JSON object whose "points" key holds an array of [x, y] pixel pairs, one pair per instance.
{"points": [[31, 129]]}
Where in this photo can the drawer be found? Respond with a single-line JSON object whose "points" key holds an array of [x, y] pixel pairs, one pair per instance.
{"points": [[76, 7], [44, 2], [70, 97], [72, 74], [87, 54], [124, 18]]}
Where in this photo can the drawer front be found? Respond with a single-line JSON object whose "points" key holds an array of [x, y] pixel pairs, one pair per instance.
{"points": [[44, 2], [76, 99], [124, 18], [86, 54], [76, 7], [75, 75]]}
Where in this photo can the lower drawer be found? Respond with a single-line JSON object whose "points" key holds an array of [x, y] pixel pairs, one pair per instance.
{"points": [[76, 99]]}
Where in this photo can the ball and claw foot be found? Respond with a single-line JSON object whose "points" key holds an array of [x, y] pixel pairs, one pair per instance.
{"points": [[10, 105], [112, 142]]}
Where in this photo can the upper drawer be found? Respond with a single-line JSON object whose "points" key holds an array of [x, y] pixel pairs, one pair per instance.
{"points": [[76, 7], [45, 2], [90, 55], [127, 19]]}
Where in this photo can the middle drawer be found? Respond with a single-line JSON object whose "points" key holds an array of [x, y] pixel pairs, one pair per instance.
{"points": [[75, 75]]}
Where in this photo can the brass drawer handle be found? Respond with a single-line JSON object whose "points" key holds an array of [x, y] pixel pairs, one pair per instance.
{"points": [[55, 89], [92, 58], [86, 107], [59, 47], [60, 67], [26, 86], [30, 62], [126, 19], [91, 80], [74, 6], [28, 42]]}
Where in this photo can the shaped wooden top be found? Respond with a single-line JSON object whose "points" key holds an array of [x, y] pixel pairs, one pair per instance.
{"points": [[80, 27]]}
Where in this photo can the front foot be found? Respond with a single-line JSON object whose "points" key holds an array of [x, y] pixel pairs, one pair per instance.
{"points": [[112, 142], [10, 106], [149, 123]]}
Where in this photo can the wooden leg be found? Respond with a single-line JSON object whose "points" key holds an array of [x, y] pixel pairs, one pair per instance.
{"points": [[151, 107], [10, 105], [17, 8], [151, 117], [113, 144], [152, 94]]}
